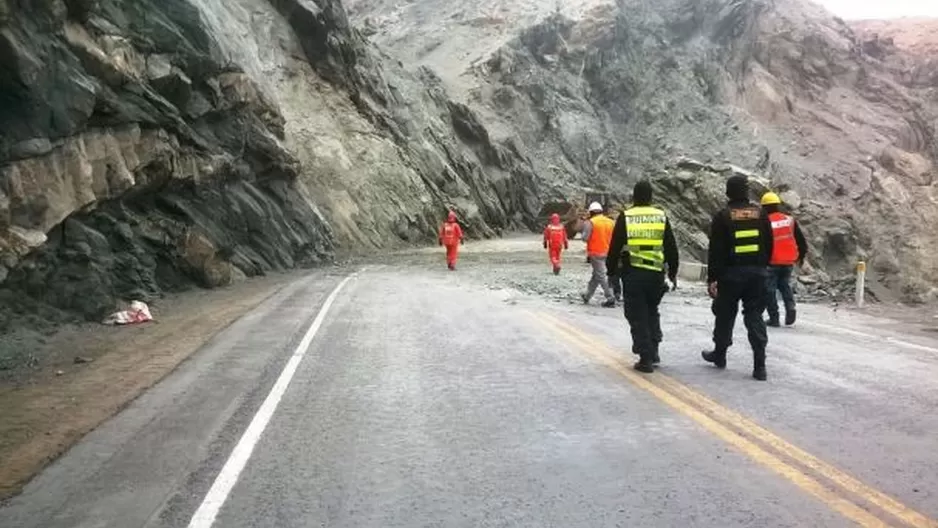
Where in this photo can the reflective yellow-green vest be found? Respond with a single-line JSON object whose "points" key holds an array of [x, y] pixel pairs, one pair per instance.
{"points": [[645, 228], [746, 234]]}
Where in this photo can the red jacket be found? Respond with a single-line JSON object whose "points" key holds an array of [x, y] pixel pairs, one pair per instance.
{"points": [[555, 235], [450, 232], [785, 251]]}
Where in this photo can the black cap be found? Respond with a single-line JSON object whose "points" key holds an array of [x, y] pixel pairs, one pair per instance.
{"points": [[642, 193], [737, 188]]}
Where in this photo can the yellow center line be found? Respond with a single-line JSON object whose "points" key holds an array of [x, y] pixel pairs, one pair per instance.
{"points": [[727, 416], [663, 391], [845, 481]]}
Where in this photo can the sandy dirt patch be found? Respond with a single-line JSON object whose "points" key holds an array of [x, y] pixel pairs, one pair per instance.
{"points": [[47, 409]]}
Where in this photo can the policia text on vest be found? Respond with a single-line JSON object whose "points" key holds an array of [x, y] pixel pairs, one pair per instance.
{"points": [[645, 229], [643, 250]]}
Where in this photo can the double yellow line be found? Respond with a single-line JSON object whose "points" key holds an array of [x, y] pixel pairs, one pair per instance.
{"points": [[841, 492]]}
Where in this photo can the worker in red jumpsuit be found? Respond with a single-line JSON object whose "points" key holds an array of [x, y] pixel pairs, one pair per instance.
{"points": [[555, 241], [451, 238]]}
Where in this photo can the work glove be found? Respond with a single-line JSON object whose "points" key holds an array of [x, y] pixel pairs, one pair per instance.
{"points": [[462, 241], [545, 245], [566, 246], [712, 290], [589, 259]]}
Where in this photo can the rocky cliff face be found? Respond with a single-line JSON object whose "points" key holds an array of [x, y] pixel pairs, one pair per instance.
{"points": [[602, 93], [906, 47], [914, 36], [147, 146]]}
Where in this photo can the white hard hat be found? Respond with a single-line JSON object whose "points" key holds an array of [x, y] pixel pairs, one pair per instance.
{"points": [[596, 207]]}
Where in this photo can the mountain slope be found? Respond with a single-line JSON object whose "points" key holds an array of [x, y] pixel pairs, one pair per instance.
{"points": [[151, 146], [147, 146], [606, 93]]}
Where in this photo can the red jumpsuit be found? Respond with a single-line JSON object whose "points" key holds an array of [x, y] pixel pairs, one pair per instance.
{"points": [[555, 241], [451, 237]]}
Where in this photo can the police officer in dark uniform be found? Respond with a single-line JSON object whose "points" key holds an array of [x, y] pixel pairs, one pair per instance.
{"points": [[740, 247], [642, 251]]}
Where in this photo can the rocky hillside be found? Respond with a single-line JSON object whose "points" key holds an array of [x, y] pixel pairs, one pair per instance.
{"points": [[151, 146], [602, 92], [908, 47], [916, 36], [148, 145]]}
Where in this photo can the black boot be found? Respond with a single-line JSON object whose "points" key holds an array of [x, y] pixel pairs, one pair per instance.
{"points": [[644, 366], [758, 367], [773, 321], [790, 316], [717, 358]]}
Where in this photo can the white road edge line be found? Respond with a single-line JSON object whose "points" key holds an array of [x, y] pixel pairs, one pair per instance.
{"points": [[888, 339], [205, 516]]}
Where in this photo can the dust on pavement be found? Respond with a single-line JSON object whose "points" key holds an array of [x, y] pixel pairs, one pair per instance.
{"points": [[519, 265]]}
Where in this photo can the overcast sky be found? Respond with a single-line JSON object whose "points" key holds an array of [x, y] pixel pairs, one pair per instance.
{"points": [[881, 8]]}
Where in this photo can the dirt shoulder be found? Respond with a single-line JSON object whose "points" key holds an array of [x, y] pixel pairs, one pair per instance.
{"points": [[47, 408]]}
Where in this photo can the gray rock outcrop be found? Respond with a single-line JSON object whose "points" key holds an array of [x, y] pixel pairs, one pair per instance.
{"points": [[148, 146], [151, 146], [601, 93]]}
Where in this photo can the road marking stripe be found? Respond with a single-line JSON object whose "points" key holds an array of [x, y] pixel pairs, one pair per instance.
{"points": [[747, 447], [205, 516], [845, 481], [851, 484], [857, 333]]}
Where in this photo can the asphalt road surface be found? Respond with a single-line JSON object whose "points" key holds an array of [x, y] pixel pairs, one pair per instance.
{"points": [[410, 396]]}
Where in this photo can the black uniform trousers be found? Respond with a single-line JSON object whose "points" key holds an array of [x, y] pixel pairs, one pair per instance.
{"points": [[642, 291], [747, 285]]}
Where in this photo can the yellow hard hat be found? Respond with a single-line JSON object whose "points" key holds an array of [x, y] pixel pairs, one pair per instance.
{"points": [[770, 198]]}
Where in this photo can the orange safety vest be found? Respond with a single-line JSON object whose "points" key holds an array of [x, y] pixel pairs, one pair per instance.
{"points": [[600, 237], [784, 246]]}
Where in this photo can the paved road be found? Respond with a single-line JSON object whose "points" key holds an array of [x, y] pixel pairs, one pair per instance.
{"points": [[425, 399]]}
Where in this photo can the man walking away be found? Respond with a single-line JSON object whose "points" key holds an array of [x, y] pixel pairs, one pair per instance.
{"points": [[788, 247], [740, 247], [555, 241], [643, 249], [451, 238], [597, 233]]}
